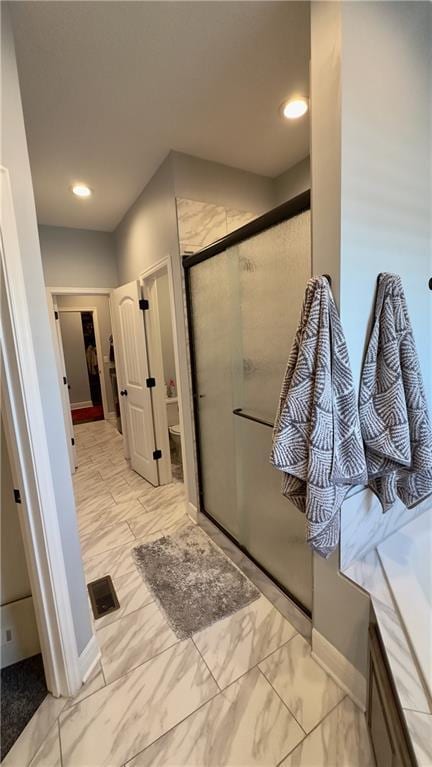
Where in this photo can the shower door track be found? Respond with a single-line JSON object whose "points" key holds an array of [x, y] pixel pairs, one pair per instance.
{"points": [[268, 220]]}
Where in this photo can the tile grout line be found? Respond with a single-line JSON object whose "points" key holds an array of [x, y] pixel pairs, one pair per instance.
{"points": [[140, 664], [185, 718], [59, 741], [313, 729], [126, 615], [205, 663], [283, 703], [219, 693]]}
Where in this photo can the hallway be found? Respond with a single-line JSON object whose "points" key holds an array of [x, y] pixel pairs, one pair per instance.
{"points": [[244, 691]]}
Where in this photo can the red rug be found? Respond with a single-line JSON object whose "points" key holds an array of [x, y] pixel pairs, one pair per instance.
{"points": [[84, 414]]}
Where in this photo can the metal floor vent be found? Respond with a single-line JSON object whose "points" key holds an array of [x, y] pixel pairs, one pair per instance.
{"points": [[102, 596]]}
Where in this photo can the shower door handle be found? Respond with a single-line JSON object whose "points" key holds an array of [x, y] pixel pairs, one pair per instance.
{"points": [[239, 411]]}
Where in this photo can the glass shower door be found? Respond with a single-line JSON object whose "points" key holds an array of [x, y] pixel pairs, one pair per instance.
{"points": [[245, 307]]}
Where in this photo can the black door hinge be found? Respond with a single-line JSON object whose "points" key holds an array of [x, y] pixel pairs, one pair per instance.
{"points": [[157, 454], [150, 383], [17, 496], [56, 315], [64, 380], [72, 440], [143, 304]]}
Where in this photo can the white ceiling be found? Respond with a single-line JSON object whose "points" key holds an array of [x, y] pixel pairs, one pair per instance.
{"points": [[110, 87]]}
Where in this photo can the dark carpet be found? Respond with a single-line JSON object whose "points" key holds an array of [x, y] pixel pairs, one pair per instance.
{"points": [[192, 580], [23, 689], [88, 414]]}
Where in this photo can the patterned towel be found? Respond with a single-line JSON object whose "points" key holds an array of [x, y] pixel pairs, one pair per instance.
{"points": [[317, 440], [393, 411]]}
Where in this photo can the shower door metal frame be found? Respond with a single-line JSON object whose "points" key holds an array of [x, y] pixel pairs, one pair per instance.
{"points": [[299, 204]]}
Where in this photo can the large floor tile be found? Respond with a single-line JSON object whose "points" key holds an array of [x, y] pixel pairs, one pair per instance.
{"points": [[167, 497], [93, 523], [116, 723], [134, 639], [92, 489], [235, 644], [245, 725], [302, 684], [162, 519], [420, 729], [48, 755], [106, 539], [341, 740], [94, 504], [35, 733], [132, 594], [114, 562], [125, 510]]}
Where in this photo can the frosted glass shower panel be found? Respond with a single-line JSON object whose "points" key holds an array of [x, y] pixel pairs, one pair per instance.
{"points": [[274, 268], [246, 301], [272, 530], [214, 289]]}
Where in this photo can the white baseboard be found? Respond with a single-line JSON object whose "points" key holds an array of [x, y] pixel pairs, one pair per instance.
{"points": [[192, 512], [88, 659], [340, 669], [80, 405], [18, 618]]}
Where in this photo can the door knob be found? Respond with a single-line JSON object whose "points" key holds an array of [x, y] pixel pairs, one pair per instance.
{"points": [[123, 393]]}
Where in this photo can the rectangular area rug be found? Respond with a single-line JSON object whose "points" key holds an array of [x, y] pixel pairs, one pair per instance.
{"points": [[192, 580]]}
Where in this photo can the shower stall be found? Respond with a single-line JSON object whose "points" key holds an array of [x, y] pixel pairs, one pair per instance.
{"points": [[244, 295]]}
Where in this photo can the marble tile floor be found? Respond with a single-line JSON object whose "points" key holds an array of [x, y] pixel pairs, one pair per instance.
{"points": [[244, 691]]}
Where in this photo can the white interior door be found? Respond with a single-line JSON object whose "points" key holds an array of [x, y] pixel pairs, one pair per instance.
{"points": [[131, 358], [151, 288], [64, 389]]}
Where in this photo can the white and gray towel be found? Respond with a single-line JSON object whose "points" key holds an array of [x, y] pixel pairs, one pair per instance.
{"points": [[317, 439], [393, 410]]}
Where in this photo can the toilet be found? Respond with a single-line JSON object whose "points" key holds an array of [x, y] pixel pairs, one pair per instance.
{"points": [[176, 440]]}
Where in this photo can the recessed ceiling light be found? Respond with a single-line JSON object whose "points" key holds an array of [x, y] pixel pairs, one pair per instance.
{"points": [[81, 190], [294, 108]]}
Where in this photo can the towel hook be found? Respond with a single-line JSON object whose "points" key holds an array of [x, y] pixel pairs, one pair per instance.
{"points": [[328, 278]]}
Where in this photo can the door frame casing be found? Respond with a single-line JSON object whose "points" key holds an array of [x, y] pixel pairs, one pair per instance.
{"points": [[99, 355], [61, 368], [27, 440], [151, 273]]}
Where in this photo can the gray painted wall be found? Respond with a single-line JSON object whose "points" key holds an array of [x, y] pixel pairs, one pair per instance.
{"points": [[102, 305], [15, 158], [294, 181], [340, 610], [206, 181], [371, 198], [78, 257], [386, 165], [148, 231]]}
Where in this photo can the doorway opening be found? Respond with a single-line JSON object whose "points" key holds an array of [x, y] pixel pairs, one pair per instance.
{"points": [[82, 365], [161, 343], [82, 330]]}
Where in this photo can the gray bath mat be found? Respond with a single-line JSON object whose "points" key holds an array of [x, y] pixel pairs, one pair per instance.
{"points": [[194, 583]]}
